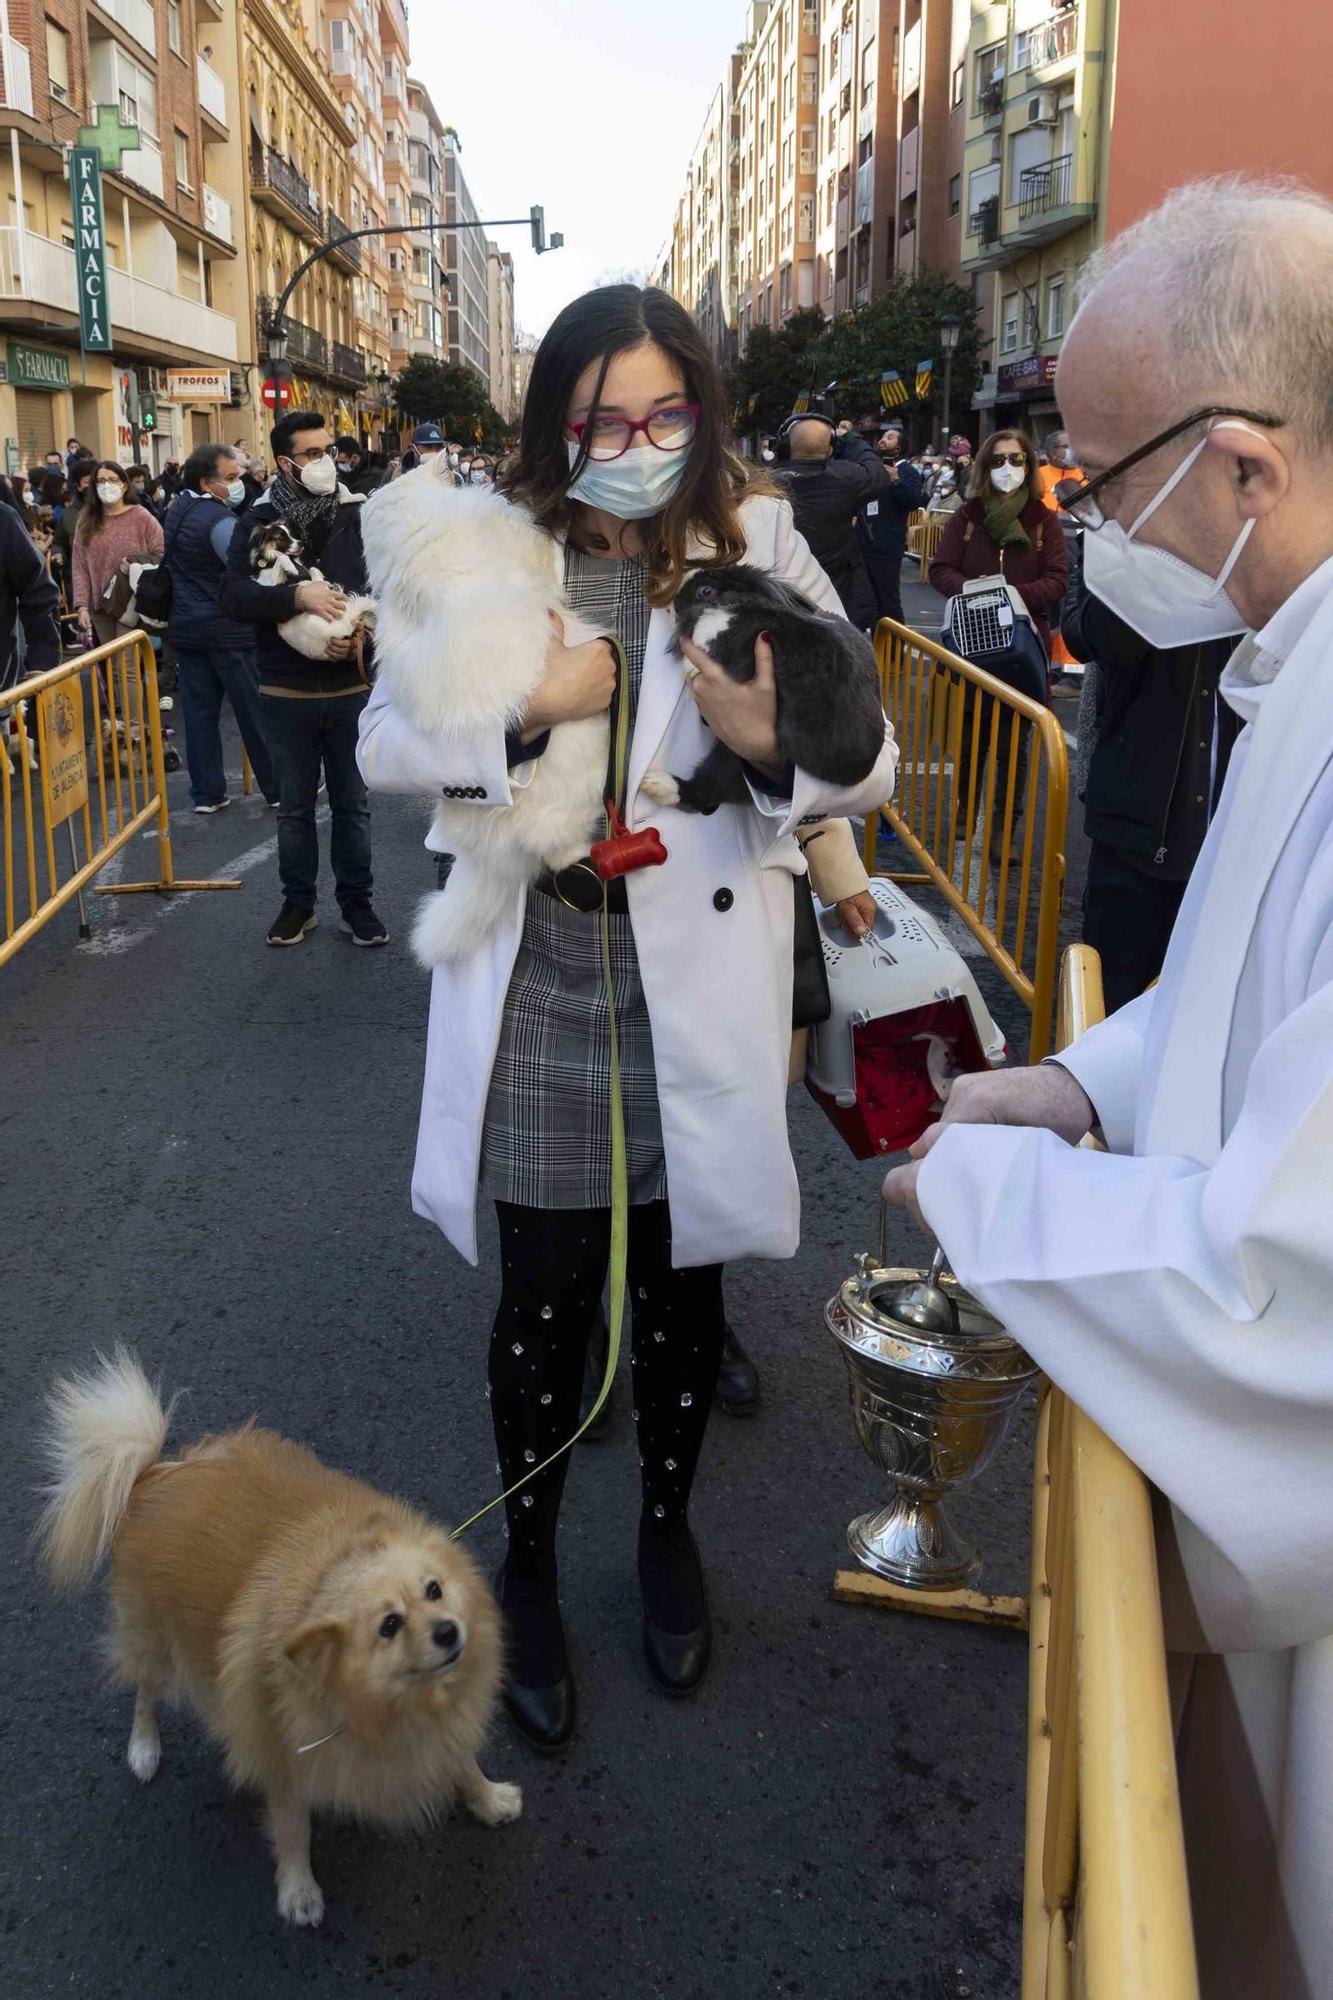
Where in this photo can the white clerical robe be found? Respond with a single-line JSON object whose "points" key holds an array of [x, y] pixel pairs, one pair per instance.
{"points": [[1180, 1289]]}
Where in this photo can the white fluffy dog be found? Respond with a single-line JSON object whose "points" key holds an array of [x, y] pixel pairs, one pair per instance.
{"points": [[464, 586]]}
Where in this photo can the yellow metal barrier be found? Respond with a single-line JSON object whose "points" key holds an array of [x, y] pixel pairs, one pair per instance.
{"points": [[95, 765], [974, 751], [924, 532], [1106, 1911]]}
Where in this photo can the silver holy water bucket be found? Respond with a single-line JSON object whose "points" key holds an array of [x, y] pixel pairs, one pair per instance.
{"points": [[932, 1405]]}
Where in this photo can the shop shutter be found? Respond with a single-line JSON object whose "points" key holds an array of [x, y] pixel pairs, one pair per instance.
{"points": [[35, 417]]}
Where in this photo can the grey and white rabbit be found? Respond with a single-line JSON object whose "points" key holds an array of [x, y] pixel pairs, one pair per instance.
{"points": [[830, 716]]}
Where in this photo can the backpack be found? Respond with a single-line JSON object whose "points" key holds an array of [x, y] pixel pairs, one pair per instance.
{"points": [[153, 596]]}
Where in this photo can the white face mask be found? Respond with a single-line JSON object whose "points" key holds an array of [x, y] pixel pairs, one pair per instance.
{"points": [[320, 475], [634, 486], [236, 492], [1160, 595], [1007, 478], [109, 492]]}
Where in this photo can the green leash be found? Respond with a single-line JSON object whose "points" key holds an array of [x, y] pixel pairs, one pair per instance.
{"points": [[619, 1171]]}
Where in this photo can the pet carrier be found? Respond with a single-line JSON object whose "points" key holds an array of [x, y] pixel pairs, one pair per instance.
{"points": [[989, 624]]}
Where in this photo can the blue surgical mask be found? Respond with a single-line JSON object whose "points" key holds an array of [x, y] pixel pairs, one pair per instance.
{"points": [[632, 487], [236, 493]]}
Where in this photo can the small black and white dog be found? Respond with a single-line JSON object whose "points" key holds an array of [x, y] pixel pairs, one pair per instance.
{"points": [[276, 557], [830, 716]]}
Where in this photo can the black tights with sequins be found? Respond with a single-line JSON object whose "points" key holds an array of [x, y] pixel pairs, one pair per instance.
{"points": [[554, 1265]]}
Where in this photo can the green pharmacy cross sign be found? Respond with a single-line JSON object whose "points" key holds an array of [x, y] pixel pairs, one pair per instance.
{"points": [[103, 143]]}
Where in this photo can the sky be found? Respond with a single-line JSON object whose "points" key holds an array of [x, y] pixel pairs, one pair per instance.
{"points": [[590, 108]]}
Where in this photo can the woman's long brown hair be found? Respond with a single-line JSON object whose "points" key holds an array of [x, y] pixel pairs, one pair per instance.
{"points": [[979, 486], [602, 323], [92, 514]]}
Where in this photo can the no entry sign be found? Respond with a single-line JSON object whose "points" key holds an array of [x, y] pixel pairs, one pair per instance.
{"points": [[276, 395]]}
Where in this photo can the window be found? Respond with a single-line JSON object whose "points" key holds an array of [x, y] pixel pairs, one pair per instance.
{"points": [[865, 149], [867, 73], [983, 185], [958, 86], [807, 149], [784, 290], [788, 155], [810, 18], [57, 62], [1029, 320], [989, 84], [182, 161], [955, 194], [1023, 48], [809, 79], [174, 26], [805, 231], [1009, 324], [789, 92], [832, 130], [1055, 308]]}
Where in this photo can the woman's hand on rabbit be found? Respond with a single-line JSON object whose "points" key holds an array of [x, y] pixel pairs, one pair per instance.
{"points": [[741, 714], [579, 681]]}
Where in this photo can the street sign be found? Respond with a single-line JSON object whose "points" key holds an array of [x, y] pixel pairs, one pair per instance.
{"points": [[85, 183], [275, 394]]}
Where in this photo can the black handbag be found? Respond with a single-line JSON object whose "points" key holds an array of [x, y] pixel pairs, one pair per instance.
{"points": [[811, 1001]]}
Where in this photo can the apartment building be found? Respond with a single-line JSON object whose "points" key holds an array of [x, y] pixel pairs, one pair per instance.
{"points": [[777, 100], [525, 353], [500, 329], [425, 253], [468, 338], [300, 175], [397, 189], [177, 285], [701, 256], [352, 39]]}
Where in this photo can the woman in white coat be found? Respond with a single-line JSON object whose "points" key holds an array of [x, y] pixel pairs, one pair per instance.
{"points": [[625, 461]]}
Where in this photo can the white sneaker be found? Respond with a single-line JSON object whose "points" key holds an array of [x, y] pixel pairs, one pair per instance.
{"points": [[218, 805]]}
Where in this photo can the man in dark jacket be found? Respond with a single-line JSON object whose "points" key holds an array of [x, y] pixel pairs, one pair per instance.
{"points": [[216, 655], [1163, 741], [882, 527], [358, 470], [830, 476], [310, 708], [27, 597]]}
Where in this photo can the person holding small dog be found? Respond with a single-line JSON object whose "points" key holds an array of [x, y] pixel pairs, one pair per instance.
{"points": [[310, 708], [626, 462]]}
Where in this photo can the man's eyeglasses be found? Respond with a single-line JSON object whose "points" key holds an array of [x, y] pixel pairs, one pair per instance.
{"points": [[1079, 497], [1009, 458], [611, 437], [315, 451]]}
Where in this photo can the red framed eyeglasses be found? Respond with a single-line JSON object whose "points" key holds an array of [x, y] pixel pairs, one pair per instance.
{"points": [[609, 437]]}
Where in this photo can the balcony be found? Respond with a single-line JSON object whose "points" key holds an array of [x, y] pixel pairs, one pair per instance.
{"points": [[136, 17], [1054, 45], [210, 10], [217, 215], [277, 186], [984, 222], [212, 92], [395, 83], [305, 345], [990, 99], [15, 77], [347, 255], [1043, 188], [144, 166], [347, 364], [42, 272]]}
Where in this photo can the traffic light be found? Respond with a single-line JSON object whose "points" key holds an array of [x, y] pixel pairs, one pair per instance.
{"points": [[538, 220], [148, 414]]}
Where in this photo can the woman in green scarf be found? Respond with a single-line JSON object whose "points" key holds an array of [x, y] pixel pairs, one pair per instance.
{"points": [[1003, 530]]}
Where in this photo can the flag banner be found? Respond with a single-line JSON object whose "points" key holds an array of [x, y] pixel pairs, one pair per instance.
{"points": [[752, 405], [892, 388], [801, 405], [924, 371]]}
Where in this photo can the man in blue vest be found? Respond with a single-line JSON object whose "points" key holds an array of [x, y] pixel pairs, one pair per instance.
{"points": [[216, 655]]}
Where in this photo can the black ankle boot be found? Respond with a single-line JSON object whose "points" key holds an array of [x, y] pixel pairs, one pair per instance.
{"points": [[677, 1625], [539, 1693], [737, 1379], [594, 1368]]}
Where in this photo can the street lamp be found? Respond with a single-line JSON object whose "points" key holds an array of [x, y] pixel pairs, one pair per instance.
{"points": [[950, 331]]}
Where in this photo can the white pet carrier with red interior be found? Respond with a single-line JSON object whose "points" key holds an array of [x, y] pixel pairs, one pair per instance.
{"points": [[907, 1017]]}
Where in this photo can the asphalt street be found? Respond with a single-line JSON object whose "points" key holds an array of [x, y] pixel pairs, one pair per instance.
{"points": [[207, 1150]]}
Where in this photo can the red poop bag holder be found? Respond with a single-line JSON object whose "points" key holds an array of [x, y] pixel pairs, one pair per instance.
{"points": [[622, 852]]}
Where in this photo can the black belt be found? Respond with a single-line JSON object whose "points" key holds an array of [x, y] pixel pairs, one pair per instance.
{"points": [[617, 899]]}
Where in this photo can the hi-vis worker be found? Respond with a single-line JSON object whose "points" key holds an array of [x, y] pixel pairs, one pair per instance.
{"points": [[1180, 1288]]}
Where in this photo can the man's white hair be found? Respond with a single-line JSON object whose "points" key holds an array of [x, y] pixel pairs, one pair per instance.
{"points": [[1244, 270]]}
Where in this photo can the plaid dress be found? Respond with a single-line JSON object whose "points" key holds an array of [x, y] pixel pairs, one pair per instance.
{"points": [[546, 1142]]}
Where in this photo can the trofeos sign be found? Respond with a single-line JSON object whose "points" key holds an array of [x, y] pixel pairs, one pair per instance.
{"points": [[199, 385], [1034, 371], [85, 185]]}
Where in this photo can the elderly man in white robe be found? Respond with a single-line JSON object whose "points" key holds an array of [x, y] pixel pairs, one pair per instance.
{"points": [[1180, 1286]]}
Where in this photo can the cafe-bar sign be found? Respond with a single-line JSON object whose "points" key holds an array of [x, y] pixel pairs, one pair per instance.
{"points": [[85, 182]]}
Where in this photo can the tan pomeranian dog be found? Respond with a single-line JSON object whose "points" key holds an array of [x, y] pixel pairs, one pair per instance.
{"points": [[340, 1646]]}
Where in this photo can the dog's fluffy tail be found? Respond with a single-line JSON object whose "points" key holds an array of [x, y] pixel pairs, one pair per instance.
{"points": [[106, 1426]]}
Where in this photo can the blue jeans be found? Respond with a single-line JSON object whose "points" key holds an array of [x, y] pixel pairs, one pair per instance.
{"points": [[204, 678], [303, 732]]}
